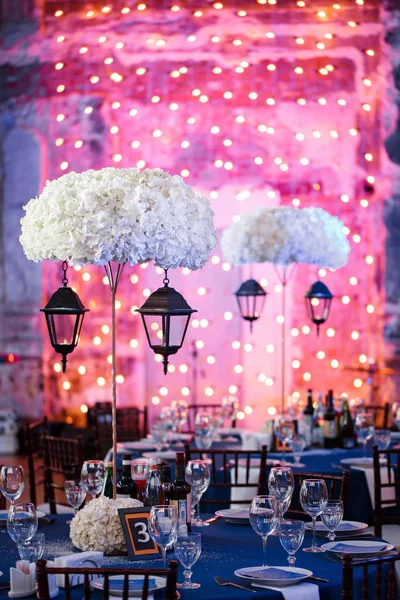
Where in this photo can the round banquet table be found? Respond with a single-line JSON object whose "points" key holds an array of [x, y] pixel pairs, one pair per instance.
{"points": [[225, 548]]}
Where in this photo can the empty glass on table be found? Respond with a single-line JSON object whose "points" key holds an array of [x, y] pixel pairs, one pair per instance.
{"points": [[12, 482], [159, 433], [197, 475], [281, 486], [291, 536], [22, 522], [332, 516], [297, 444], [92, 475], [32, 549], [284, 430], [163, 527], [263, 519], [382, 438], [364, 426], [75, 491], [187, 551], [313, 499]]}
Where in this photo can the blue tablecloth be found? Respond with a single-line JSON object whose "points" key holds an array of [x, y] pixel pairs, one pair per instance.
{"points": [[226, 547]]}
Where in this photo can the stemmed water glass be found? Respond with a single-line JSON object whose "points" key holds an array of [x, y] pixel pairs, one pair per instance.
{"points": [[22, 522], [187, 551], [297, 445], [203, 430], [92, 475], [12, 482], [263, 519], [281, 486], [313, 499], [198, 477], [159, 434], [364, 426], [291, 536], [32, 549], [230, 407], [163, 528], [75, 491], [179, 409], [284, 431], [382, 438], [332, 516]]}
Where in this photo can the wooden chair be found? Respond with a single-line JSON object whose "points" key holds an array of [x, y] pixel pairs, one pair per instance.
{"points": [[131, 426], [224, 464], [34, 440], [3, 503], [385, 587], [386, 477], [193, 409], [63, 460], [338, 486], [380, 414], [42, 571]]}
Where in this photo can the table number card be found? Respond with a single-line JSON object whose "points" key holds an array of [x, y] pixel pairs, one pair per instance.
{"points": [[137, 537]]}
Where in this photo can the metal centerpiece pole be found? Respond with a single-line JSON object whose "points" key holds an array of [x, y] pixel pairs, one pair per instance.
{"points": [[113, 280]]}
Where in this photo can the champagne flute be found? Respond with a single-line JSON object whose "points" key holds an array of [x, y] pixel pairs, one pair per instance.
{"points": [[92, 475], [313, 499], [22, 522], [163, 527], [263, 519], [332, 516], [75, 491], [198, 477], [187, 551], [281, 486], [12, 482], [291, 536]]}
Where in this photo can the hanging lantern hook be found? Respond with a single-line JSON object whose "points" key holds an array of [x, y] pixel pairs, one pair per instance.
{"points": [[165, 280], [65, 269]]}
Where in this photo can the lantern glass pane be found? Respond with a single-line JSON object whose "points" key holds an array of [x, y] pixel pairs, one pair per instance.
{"points": [[259, 305], [157, 329], [177, 329], [78, 327], [64, 326]]}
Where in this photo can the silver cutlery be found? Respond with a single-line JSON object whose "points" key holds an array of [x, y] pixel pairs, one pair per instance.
{"points": [[313, 577], [232, 584]]}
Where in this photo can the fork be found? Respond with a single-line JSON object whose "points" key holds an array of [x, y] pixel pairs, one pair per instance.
{"points": [[231, 583]]}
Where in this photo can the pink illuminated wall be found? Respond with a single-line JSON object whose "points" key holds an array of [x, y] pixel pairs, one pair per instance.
{"points": [[253, 103]]}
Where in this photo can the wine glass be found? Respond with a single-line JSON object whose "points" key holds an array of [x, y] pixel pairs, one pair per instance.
{"points": [[217, 419], [313, 499], [179, 409], [203, 443], [75, 491], [159, 434], [281, 486], [198, 477], [12, 482], [92, 475], [230, 407], [202, 424], [382, 438], [364, 426], [284, 430], [22, 522], [139, 472], [163, 527], [187, 551], [297, 445], [332, 516], [291, 536], [32, 549], [263, 519]]}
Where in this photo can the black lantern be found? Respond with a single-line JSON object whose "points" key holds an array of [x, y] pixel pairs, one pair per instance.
{"points": [[251, 298], [318, 301], [64, 317], [165, 316]]}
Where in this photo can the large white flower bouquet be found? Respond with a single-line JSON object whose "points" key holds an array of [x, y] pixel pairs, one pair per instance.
{"points": [[284, 235], [121, 215], [98, 527]]}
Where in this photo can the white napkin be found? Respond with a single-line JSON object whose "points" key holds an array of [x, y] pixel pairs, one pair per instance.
{"points": [[300, 591], [79, 559], [246, 493], [387, 493]]}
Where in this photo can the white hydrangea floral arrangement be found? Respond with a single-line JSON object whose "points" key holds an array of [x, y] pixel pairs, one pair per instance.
{"points": [[121, 215], [283, 235], [98, 527]]}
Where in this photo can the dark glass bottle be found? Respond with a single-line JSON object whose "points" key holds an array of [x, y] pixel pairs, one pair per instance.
{"points": [[107, 489], [308, 412], [126, 488], [154, 492], [166, 483], [330, 423], [346, 436], [181, 495]]}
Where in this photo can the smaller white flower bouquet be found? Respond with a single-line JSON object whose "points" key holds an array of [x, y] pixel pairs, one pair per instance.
{"points": [[98, 527]]}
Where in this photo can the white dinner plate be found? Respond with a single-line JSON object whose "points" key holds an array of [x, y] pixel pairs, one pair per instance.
{"points": [[275, 576], [164, 454], [4, 513], [116, 585], [148, 445], [358, 547], [238, 516], [345, 527], [362, 461], [173, 437], [231, 430]]}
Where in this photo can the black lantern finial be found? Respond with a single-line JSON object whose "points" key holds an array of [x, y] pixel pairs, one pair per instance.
{"points": [[318, 301], [165, 316], [251, 298], [64, 317]]}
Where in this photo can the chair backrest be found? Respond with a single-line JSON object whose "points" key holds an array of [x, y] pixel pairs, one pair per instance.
{"points": [[3, 504], [232, 469], [193, 409], [42, 571], [131, 426], [34, 439], [380, 413], [386, 487], [376, 583], [63, 457], [337, 486]]}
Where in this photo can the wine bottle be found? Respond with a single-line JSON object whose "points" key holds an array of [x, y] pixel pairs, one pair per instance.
{"points": [[107, 489], [346, 436], [330, 423], [126, 488], [166, 483], [154, 492], [308, 413], [181, 495]]}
